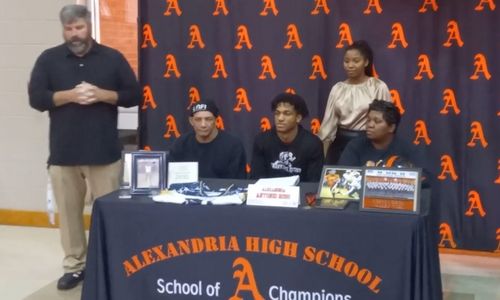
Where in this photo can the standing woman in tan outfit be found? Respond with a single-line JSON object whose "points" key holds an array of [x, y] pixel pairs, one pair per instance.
{"points": [[346, 110]]}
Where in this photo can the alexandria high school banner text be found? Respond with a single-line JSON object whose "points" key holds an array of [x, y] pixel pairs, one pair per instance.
{"points": [[439, 58]]}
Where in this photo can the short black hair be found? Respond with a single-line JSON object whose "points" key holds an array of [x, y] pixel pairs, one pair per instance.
{"points": [[389, 111], [298, 103], [366, 51]]}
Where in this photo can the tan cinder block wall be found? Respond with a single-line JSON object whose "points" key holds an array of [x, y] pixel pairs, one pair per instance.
{"points": [[27, 27]]}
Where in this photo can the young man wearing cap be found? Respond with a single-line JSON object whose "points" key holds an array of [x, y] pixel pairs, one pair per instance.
{"points": [[219, 154], [287, 149]]}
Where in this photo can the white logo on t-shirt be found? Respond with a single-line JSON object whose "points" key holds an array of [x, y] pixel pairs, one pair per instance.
{"points": [[285, 163]]}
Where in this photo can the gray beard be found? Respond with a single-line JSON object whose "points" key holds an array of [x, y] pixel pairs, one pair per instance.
{"points": [[79, 48]]}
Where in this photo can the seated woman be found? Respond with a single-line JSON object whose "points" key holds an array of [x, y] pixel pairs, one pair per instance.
{"points": [[380, 146]]}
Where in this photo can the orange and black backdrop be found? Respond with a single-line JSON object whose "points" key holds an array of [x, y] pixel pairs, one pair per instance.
{"points": [[440, 60]]}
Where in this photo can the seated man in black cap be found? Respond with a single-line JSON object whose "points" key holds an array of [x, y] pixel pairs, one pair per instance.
{"points": [[219, 154], [380, 146], [287, 149]]}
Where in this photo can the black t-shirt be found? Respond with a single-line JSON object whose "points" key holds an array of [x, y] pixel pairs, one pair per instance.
{"points": [[273, 158], [224, 157]]}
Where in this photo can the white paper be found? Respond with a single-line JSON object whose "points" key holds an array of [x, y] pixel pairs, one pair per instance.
{"points": [[182, 172], [279, 181]]}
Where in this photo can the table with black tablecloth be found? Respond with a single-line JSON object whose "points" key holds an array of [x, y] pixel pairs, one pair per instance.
{"points": [[140, 249]]}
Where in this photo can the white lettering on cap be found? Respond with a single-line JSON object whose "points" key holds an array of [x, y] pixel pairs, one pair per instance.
{"points": [[199, 107]]}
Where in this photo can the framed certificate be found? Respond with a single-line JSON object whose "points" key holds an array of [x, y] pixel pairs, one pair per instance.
{"points": [[391, 190], [148, 172], [341, 183]]}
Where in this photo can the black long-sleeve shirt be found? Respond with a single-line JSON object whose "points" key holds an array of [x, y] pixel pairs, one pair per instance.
{"points": [[273, 158], [83, 134], [224, 157]]}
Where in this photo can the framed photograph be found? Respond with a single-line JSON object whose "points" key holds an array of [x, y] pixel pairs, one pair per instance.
{"points": [[341, 183], [148, 172], [391, 190]]}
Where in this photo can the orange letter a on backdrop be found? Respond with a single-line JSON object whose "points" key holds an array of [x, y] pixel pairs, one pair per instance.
{"points": [[219, 123], [241, 96], [172, 5], [453, 34], [447, 167], [267, 68], [171, 66], [315, 125], [148, 99], [265, 124], [475, 204], [320, 4], [373, 4], [477, 134], [421, 133], [424, 67], [396, 99], [426, 3], [195, 34], [490, 3], [171, 127], [449, 101], [398, 36], [243, 38], [446, 236], [220, 5], [345, 36], [481, 67], [246, 280], [194, 96], [148, 37], [318, 68], [269, 5], [293, 37], [220, 67]]}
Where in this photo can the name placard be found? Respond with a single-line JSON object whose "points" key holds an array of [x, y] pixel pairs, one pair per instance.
{"points": [[282, 196]]}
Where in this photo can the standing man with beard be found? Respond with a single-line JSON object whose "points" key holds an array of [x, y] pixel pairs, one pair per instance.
{"points": [[81, 83], [287, 149]]}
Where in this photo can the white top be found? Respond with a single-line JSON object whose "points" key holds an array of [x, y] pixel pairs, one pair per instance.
{"points": [[347, 106]]}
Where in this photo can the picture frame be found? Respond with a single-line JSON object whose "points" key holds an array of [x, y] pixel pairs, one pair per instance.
{"points": [[341, 183], [393, 190], [148, 172]]}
